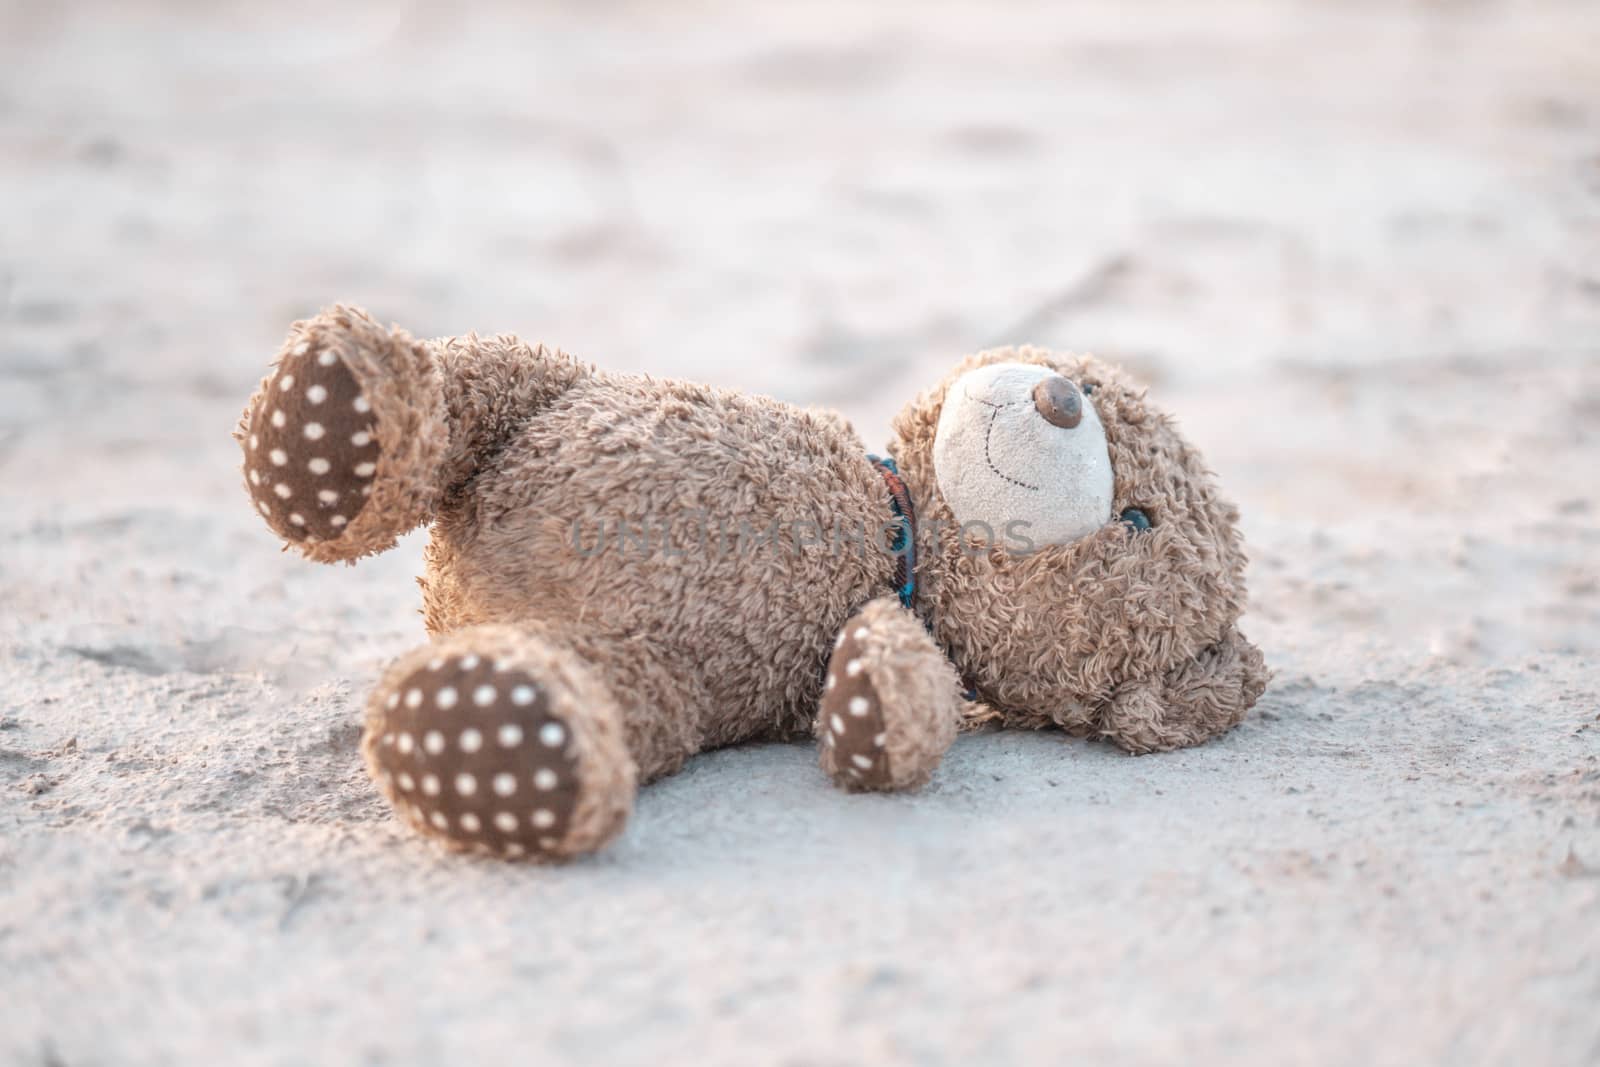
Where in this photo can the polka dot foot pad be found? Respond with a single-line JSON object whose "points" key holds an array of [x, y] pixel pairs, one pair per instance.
{"points": [[852, 724], [311, 449], [470, 751]]}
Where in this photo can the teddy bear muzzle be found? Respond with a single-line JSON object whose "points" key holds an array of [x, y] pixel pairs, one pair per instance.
{"points": [[1020, 446]]}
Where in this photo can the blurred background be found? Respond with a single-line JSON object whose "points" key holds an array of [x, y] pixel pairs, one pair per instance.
{"points": [[1354, 239], [1355, 247]]}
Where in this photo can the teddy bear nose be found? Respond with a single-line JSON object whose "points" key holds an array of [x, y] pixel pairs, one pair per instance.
{"points": [[1059, 401]]}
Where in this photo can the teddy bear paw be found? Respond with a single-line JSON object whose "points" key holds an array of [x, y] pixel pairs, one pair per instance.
{"points": [[487, 756], [889, 704]]}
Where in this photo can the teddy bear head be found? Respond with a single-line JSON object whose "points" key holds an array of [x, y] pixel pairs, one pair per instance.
{"points": [[1069, 539]]}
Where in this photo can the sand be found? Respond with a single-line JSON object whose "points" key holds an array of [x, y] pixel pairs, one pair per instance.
{"points": [[1356, 247]]}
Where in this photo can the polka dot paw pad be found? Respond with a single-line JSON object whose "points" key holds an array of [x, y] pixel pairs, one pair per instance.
{"points": [[311, 450], [852, 716], [471, 751]]}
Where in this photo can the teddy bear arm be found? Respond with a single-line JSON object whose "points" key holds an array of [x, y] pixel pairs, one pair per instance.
{"points": [[1191, 703], [891, 702]]}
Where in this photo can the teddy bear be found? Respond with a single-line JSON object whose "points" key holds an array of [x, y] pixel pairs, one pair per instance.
{"points": [[624, 571]]}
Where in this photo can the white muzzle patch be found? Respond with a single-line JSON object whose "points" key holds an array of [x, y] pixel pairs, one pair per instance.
{"points": [[999, 461]]}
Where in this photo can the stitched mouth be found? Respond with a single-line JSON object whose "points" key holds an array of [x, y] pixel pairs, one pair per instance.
{"points": [[989, 459]]}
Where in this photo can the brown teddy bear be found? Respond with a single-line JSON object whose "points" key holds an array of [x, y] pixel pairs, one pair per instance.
{"points": [[625, 571]]}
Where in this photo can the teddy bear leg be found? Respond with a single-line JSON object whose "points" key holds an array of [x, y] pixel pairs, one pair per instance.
{"points": [[495, 739], [343, 441], [891, 703], [359, 432], [1191, 703]]}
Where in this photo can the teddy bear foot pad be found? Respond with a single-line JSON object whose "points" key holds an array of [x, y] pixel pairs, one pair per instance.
{"points": [[852, 725], [476, 756], [487, 753]]}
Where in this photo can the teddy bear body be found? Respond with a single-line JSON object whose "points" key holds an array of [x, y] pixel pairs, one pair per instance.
{"points": [[625, 571], [723, 538]]}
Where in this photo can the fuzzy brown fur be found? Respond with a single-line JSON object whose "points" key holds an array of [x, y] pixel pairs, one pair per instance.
{"points": [[700, 628], [1060, 635]]}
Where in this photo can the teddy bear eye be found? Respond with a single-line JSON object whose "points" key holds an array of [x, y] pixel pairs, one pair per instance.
{"points": [[1086, 388], [1136, 518]]}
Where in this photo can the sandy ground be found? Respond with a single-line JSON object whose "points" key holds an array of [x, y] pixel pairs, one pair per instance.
{"points": [[1356, 246]]}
